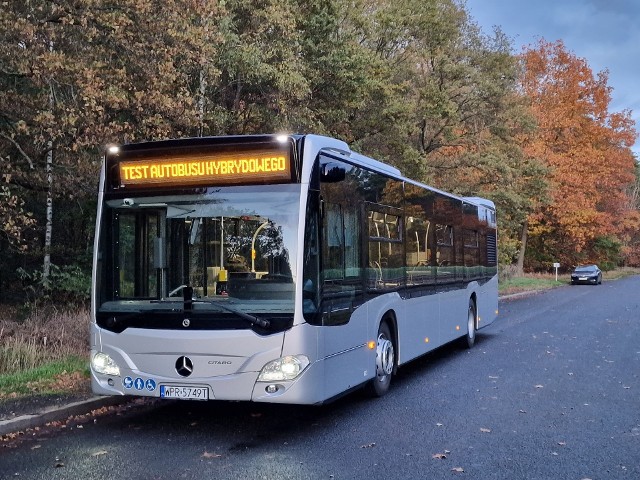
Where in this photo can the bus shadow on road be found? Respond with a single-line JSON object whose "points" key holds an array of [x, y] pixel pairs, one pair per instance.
{"points": [[438, 361], [242, 426]]}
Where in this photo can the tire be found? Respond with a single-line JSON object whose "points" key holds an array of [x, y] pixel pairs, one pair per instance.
{"points": [[471, 324], [385, 362]]}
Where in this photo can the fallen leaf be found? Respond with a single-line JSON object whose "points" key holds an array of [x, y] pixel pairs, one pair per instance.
{"points": [[59, 465], [438, 424], [210, 455], [457, 469], [99, 453], [368, 445], [562, 444], [439, 456], [539, 386], [485, 430], [35, 446]]}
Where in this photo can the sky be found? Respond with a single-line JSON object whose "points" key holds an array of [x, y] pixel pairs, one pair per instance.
{"points": [[605, 33]]}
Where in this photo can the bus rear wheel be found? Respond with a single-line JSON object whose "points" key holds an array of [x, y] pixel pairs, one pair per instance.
{"points": [[385, 362], [471, 324]]}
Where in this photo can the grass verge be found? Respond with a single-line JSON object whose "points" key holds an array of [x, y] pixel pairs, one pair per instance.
{"points": [[59, 377], [529, 283], [44, 354], [545, 281]]}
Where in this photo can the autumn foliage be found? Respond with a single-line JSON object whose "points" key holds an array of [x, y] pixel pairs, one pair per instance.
{"points": [[587, 150], [412, 82]]}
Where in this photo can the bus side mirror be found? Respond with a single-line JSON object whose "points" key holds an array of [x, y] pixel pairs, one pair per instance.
{"points": [[332, 173]]}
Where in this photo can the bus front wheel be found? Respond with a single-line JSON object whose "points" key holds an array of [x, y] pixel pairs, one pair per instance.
{"points": [[385, 362], [471, 324]]}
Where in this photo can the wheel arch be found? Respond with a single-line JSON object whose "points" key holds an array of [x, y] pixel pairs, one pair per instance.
{"points": [[385, 351]]}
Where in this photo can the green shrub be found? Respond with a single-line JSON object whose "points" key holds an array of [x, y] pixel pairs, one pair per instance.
{"points": [[608, 252], [66, 285]]}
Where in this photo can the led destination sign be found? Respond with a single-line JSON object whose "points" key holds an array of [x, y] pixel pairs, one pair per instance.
{"points": [[264, 166]]}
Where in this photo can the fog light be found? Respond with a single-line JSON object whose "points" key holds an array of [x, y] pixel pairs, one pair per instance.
{"points": [[110, 382], [271, 389], [103, 363]]}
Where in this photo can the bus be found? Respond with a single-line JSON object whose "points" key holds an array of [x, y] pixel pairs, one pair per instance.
{"points": [[277, 268]]}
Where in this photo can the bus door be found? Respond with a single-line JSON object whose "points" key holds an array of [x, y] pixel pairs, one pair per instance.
{"points": [[342, 296]]}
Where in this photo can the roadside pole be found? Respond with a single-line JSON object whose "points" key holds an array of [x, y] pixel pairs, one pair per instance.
{"points": [[556, 265]]}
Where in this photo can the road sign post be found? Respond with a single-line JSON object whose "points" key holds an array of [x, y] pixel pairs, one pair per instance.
{"points": [[556, 265]]}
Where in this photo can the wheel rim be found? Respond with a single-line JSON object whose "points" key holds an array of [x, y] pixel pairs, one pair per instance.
{"points": [[471, 324], [385, 357]]}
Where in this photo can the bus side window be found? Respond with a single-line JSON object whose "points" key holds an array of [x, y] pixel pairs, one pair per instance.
{"points": [[333, 244], [386, 257], [311, 267], [445, 254]]}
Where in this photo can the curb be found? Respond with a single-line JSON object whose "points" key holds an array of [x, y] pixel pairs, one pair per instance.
{"points": [[53, 414], [528, 293]]}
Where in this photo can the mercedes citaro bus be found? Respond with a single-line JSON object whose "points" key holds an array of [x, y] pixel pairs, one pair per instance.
{"points": [[277, 268]]}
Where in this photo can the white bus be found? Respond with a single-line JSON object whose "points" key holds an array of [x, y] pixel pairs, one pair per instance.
{"points": [[271, 268]]}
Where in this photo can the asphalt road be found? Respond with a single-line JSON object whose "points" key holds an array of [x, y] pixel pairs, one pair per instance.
{"points": [[550, 391]]}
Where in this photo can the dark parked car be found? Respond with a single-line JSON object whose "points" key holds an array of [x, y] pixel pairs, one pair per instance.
{"points": [[586, 274]]}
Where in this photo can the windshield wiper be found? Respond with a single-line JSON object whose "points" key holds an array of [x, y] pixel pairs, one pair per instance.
{"points": [[261, 322], [188, 301], [188, 304]]}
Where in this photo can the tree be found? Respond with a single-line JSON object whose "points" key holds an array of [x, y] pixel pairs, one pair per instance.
{"points": [[629, 223], [585, 147], [260, 82], [116, 73], [457, 111]]}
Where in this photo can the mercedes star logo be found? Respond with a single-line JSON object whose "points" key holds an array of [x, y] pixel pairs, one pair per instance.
{"points": [[184, 366]]}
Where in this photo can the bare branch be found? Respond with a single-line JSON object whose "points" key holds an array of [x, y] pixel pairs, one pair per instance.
{"points": [[22, 152]]}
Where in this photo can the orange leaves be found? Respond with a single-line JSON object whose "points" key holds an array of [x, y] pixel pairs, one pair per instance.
{"points": [[585, 146]]}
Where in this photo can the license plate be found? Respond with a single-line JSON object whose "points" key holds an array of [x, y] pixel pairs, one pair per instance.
{"points": [[582, 278], [184, 392]]}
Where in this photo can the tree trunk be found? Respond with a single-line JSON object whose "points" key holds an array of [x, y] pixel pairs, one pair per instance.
{"points": [[202, 90], [523, 247], [46, 268]]}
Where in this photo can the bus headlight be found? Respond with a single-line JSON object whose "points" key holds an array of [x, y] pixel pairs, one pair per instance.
{"points": [[103, 363], [284, 368]]}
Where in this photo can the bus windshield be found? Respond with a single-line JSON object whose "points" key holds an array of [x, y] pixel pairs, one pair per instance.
{"points": [[235, 245]]}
